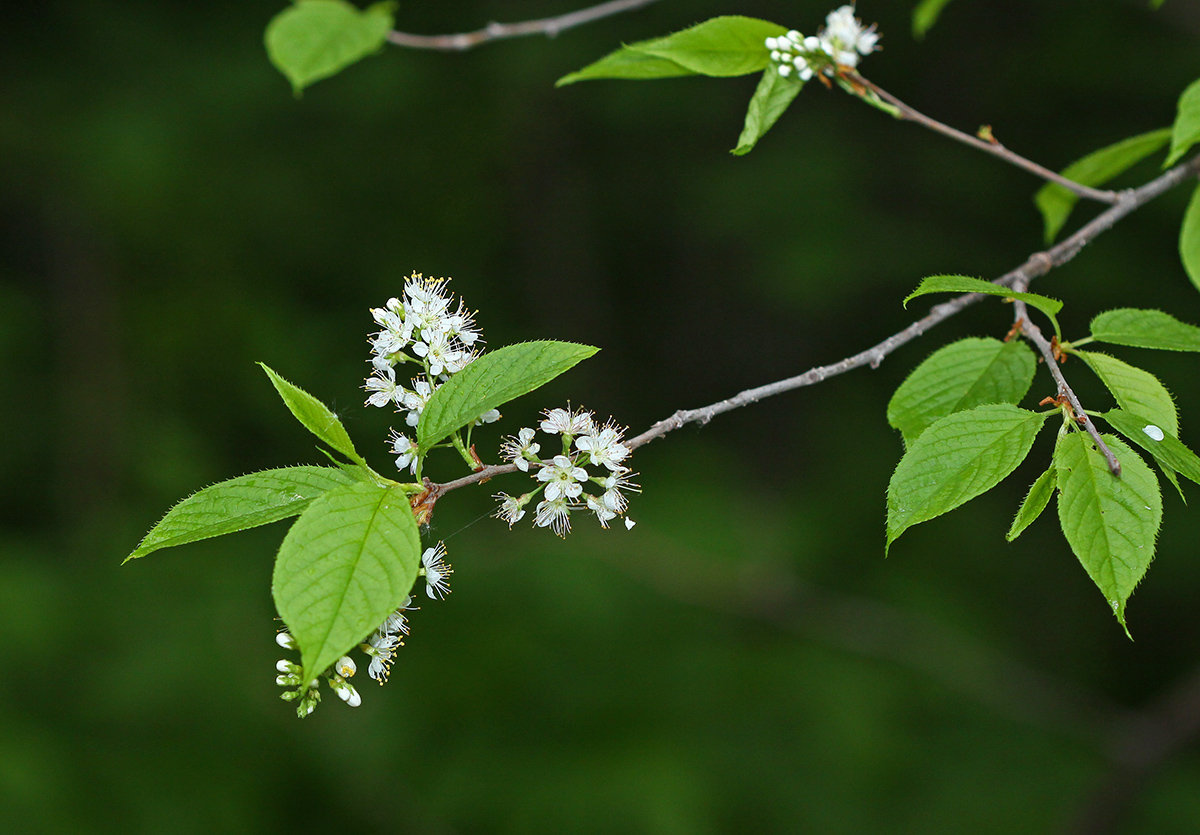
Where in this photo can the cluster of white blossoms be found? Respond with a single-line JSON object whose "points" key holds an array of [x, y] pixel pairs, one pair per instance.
{"points": [[840, 43], [562, 479], [427, 328], [381, 647]]}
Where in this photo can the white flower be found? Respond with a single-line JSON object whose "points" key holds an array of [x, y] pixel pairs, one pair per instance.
{"points": [[562, 478], [461, 326], [395, 335], [436, 571], [629, 523], [383, 385], [415, 400], [615, 487], [604, 447], [554, 514], [285, 640], [490, 416], [786, 52], [345, 667], [424, 305], [440, 353], [844, 37], [345, 691], [404, 450], [612, 502], [520, 449], [561, 421], [396, 622], [603, 512], [289, 673], [512, 508], [382, 649]]}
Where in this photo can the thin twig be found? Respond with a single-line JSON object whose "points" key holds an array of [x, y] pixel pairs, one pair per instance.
{"points": [[992, 147], [1036, 265], [1034, 334], [548, 26]]}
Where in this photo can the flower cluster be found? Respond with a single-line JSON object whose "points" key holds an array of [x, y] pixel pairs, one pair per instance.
{"points": [[427, 328], [381, 646], [562, 478], [840, 43]]}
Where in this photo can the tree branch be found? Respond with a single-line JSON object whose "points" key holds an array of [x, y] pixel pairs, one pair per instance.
{"points": [[1035, 265], [548, 26], [1034, 334], [990, 146]]}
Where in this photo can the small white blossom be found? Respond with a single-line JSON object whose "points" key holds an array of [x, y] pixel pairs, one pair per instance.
{"points": [[512, 508], [345, 691], [615, 487], [841, 42], [563, 422], [345, 667], [396, 622], [490, 416], [414, 401], [604, 447], [285, 640], [436, 571], [554, 514], [405, 451], [629, 523], [382, 649], [461, 326], [395, 335], [382, 384], [562, 478], [603, 512], [441, 354], [520, 449], [844, 37]]}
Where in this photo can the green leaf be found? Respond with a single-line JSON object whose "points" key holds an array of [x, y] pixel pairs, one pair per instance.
{"points": [[315, 39], [772, 96], [1186, 131], [1145, 329], [956, 459], [628, 64], [720, 47], [347, 563], [315, 416], [963, 284], [1168, 450], [925, 15], [492, 380], [1189, 239], [1035, 502], [240, 503], [1110, 522], [962, 375], [1055, 202], [1134, 390]]}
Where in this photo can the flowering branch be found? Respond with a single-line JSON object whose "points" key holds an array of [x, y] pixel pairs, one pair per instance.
{"points": [[988, 145], [548, 26], [1036, 265]]}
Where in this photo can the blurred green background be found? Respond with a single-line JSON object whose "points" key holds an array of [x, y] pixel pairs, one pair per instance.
{"points": [[744, 660]]}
